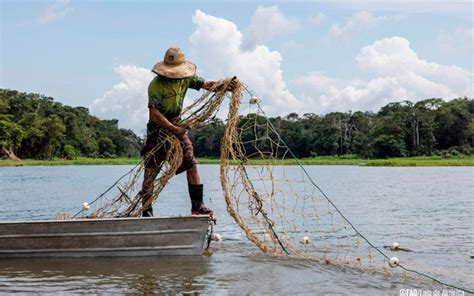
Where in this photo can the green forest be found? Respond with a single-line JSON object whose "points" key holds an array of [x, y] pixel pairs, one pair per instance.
{"points": [[34, 126], [428, 127]]}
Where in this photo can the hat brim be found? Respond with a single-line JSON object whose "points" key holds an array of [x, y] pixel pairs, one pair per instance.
{"points": [[183, 70]]}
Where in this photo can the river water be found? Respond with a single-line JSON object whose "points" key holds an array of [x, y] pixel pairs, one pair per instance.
{"points": [[427, 210]]}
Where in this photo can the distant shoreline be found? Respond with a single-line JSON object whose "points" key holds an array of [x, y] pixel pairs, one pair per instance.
{"points": [[461, 160]]}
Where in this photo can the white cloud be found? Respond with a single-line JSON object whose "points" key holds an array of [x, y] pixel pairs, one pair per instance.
{"points": [[56, 11], [360, 21], [390, 56], [317, 19], [216, 44], [266, 23], [128, 99], [394, 72], [397, 73]]}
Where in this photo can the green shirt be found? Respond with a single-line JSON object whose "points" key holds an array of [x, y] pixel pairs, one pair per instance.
{"points": [[167, 95]]}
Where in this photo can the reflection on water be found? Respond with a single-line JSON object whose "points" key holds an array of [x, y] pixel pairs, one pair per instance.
{"points": [[125, 275], [427, 210]]}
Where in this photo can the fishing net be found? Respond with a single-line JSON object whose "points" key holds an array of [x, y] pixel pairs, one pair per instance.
{"points": [[123, 198], [278, 206]]}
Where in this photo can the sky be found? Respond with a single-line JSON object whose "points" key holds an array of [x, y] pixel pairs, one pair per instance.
{"points": [[305, 57]]}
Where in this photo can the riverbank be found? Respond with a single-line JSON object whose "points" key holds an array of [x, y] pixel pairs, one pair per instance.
{"points": [[77, 161], [459, 160]]}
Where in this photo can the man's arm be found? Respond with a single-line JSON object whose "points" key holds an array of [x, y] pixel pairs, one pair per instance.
{"points": [[208, 84], [157, 117]]}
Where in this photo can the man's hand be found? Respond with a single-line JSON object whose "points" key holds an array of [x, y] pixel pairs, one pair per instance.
{"points": [[157, 117], [207, 85], [179, 131], [233, 84], [210, 84]]}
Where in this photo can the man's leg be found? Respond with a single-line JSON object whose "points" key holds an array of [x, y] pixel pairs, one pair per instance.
{"points": [[194, 181], [147, 190], [192, 175], [196, 192]]}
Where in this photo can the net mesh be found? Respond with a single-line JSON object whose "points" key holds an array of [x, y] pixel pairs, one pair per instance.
{"points": [[276, 204], [123, 198]]}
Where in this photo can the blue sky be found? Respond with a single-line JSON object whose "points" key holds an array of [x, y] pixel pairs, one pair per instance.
{"points": [[298, 56]]}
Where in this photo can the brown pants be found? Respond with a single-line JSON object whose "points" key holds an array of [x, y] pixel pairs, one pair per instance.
{"points": [[161, 154]]}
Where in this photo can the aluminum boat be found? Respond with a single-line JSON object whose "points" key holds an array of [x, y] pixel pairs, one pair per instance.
{"points": [[154, 236]]}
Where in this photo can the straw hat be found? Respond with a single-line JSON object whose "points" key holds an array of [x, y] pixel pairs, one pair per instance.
{"points": [[174, 65]]}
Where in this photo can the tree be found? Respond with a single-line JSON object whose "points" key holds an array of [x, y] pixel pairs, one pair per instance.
{"points": [[452, 120], [359, 141], [35, 131], [384, 146], [106, 147], [469, 133], [11, 135], [54, 136], [207, 140], [424, 126]]}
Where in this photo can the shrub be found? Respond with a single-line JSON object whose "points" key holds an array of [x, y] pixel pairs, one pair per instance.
{"points": [[454, 152], [69, 152]]}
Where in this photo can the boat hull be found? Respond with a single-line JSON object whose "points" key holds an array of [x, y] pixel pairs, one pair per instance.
{"points": [[155, 236]]}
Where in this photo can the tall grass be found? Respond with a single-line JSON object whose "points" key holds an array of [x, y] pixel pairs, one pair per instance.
{"points": [[458, 160]]}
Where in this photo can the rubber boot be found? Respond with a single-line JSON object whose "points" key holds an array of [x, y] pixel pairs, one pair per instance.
{"points": [[197, 205]]}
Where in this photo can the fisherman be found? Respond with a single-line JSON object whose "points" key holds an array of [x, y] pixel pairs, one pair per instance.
{"points": [[165, 101]]}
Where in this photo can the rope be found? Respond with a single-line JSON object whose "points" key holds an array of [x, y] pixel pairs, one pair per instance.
{"points": [[111, 186], [265, 216]]}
